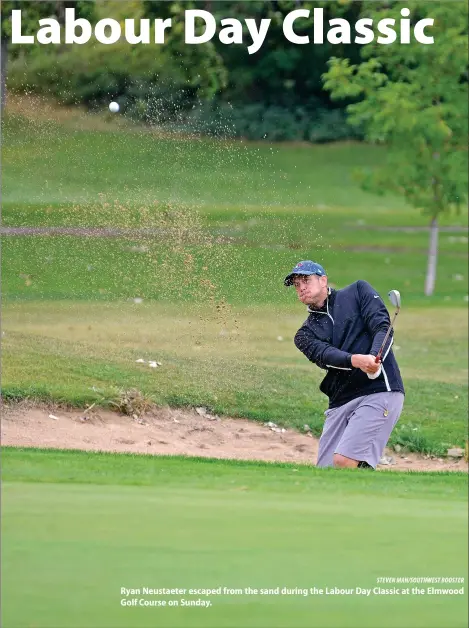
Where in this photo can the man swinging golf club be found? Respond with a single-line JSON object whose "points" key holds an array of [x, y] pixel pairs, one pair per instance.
{"points": [[348, 333]]}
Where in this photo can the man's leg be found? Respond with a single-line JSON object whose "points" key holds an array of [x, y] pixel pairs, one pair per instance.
{"points": [[369, 429], [333, 430], [343, 462]]}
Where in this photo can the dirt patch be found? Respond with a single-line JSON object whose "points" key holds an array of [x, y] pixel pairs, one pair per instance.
{"points": [[176, 432]]}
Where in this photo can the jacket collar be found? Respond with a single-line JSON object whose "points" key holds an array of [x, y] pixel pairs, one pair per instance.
{"points": [[329, 301]]}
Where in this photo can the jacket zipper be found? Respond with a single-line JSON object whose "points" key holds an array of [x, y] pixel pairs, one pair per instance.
{"points": [[329, 366]]}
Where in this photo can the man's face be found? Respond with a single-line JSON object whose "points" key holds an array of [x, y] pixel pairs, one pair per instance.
{"points": [[311, 289]]}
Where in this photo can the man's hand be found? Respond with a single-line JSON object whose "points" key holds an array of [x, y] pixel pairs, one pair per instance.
{"points": [[366, 363]]}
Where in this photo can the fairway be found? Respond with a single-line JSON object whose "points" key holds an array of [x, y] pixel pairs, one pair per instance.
{"points": [[198, 286], [97, 523]]}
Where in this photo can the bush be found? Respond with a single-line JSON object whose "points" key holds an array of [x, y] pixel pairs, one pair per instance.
{"points": [[152, 87], [257, 122], [146, 82]]}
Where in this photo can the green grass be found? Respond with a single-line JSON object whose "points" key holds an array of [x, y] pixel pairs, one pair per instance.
{"points": [[231, 220], [34, 465], [77, 527], [231, 362], [72, 173], [61, 267], [72, 166]]}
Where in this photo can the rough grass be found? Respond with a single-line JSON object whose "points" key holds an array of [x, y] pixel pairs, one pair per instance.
{"points": [[80, 352]]}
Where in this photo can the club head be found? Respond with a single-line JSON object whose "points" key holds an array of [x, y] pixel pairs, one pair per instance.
{"points": [[395, 298]]}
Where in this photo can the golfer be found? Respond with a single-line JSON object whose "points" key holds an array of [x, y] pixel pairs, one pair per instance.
{"points": [[342, 335]]}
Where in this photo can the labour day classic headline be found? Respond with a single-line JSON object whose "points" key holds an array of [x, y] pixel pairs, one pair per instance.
{"points": [[201, 26]]}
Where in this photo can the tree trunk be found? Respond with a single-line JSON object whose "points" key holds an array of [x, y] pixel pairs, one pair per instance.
{"points": [[4, 54], [432, 258]]}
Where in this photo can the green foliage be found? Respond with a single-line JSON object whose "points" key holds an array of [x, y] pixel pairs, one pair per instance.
{"points": [[259, 121], [153, 88], [201, 65], [281, 73], [152, 83], [32, 11], [147, 84], [414, 98], [211, 88]]}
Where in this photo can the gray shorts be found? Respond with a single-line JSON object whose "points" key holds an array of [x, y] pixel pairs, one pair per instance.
{"points": [[360, 429]]}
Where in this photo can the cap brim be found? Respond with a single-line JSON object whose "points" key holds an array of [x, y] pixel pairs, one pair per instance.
{"points": [[288, 281]]}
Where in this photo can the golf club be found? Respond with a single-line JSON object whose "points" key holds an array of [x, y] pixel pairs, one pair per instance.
{"points": [[395, 298]]}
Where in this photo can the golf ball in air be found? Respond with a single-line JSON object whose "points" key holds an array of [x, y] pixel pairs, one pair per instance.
{"points": [[113, 107]]}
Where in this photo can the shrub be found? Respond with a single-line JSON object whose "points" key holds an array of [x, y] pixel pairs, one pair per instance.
{"points": [[145, 81], [153, 87], [258, 121]]}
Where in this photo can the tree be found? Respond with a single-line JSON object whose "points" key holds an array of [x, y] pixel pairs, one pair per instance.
{"points": [[413, 98], [202, 66], [280, 73], [32, 12]]}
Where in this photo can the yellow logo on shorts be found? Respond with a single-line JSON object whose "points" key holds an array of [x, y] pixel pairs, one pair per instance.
{"points": [[386, 412]]}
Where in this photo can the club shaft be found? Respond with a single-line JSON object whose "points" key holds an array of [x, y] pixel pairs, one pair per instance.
{"points": [[378, 357]]}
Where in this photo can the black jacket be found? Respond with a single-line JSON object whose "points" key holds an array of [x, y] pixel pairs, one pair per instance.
{"points": [[353, 320]]}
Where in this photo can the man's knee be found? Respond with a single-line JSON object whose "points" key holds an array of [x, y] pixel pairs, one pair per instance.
{"points": [[342, 462]]}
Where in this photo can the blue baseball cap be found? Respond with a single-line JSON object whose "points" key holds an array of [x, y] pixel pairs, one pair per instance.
{"points": [[304, 268]]}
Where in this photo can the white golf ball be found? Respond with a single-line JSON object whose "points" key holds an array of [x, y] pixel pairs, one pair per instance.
{"points": [[113, 107]]}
